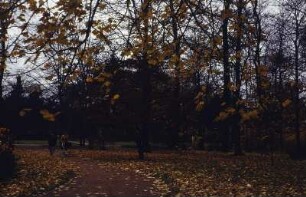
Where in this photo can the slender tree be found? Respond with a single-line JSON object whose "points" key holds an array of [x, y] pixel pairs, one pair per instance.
{"points": [[297, 15]]}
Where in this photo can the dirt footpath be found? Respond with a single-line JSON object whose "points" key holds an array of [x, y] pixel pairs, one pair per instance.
{"points": [[96, 181]]}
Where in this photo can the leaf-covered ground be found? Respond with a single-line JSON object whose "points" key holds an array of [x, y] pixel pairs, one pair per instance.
{"points": [[217, 174], [37, 173], [172, 173]]}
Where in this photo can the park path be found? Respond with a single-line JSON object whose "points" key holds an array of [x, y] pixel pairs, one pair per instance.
{"points": [[95, 181]]}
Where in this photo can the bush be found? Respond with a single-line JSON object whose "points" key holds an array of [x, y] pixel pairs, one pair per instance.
{"points": [[290, 145], [8, 164], [7, 158]]}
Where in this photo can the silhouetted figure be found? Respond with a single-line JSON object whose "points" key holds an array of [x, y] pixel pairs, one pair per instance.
{"points": [[82, 140], [11, 141], [140, 142], [64, 143], [52, 140], [101, 139]]}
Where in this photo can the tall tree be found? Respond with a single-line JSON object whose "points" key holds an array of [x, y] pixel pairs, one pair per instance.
{"points": [[227, 95], [141, 13], [258, 39], [296, 13], [240, 4]]}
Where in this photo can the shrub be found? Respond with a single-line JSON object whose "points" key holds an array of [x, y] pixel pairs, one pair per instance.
{"points": [[290, 145], [7, 158]]}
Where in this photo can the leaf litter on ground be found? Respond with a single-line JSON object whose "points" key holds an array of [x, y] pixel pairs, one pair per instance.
{"points": [[201, 173], [37, 173], [190, 173]]}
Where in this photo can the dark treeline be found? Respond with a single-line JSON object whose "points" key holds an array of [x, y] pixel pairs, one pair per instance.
{"points": [[224, 75]]}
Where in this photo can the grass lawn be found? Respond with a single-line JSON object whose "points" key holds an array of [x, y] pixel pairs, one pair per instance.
{"points": [[36, 142]]}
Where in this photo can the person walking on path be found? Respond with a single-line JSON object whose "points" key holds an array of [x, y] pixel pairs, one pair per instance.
{"points": [[64, 143], [52, 140]]}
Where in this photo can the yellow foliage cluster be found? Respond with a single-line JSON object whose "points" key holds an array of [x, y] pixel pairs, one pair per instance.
{"points": [[115, 98], [248, 115], [200, 106], [89, 80], [225, 114], [107, 84], [198, 100], [48, 115], [101, 78], [286, 103]]}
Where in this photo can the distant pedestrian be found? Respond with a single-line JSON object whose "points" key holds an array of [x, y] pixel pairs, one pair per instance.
{"points": [[52, 140], [64, 143]]}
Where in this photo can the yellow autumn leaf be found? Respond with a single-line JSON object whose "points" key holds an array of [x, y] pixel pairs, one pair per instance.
{"points": [[200, 106], [153, 62], [49, 116], [250, 115], [286, 103], [225, 114], [222, 116], [230, 110], [89, 80], [107, 84], [116, 97]]}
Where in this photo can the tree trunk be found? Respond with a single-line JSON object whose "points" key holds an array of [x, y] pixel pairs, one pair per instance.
{"points": [[143, 140], [226, 69], [237, 127], [177, 106], [296, 96], [280, 89], [3, 57], [257, 60], [226, 65]]}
